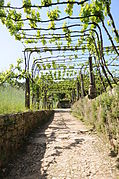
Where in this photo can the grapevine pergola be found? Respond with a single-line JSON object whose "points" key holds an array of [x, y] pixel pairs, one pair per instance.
{"points": [[63, 39]]}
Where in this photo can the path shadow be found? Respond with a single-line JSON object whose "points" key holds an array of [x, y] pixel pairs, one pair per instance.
{"points": [[58, 150], [27, 162]]}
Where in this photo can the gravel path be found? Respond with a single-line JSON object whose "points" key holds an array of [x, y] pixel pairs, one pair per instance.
{"points": [[65, 149]]}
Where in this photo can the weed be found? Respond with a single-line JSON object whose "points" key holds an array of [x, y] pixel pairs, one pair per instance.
{"points": [[101, 112]]}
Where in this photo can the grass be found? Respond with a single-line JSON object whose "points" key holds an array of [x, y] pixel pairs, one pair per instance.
{"points": [[11, 100]]}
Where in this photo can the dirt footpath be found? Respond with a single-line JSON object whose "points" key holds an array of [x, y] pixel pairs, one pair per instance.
{"points": [[65, 149]]}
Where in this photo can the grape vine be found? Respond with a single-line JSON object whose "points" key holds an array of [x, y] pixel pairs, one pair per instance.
{"points": [[65, 51]]}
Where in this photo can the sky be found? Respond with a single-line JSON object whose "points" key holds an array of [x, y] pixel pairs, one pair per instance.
{"points": [[11, 50]]}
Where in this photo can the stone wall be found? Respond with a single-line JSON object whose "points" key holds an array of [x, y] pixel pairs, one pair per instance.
{"points": [[102, 113], [15, 127]]}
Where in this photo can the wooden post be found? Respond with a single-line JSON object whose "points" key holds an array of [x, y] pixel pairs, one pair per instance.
{"points": [[92, 90]]}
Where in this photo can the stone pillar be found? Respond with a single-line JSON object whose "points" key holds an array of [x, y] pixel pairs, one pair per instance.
{"points": [[27, 93], [92, 89], [37, 97], [73, 95], [45, 99], [77, 89], [82, 85]]}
